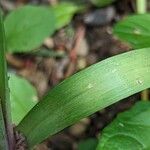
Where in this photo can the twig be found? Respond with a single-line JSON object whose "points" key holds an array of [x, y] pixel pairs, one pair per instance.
{"points": [[15, 62], [53, 2], [80, 33]]}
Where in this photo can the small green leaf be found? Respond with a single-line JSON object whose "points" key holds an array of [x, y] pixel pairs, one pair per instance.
{"points": [[130, 130], [64, 13], [87, 92], [102, 3], [135, 30], [23, 97], [27, 27], [88, 144]]}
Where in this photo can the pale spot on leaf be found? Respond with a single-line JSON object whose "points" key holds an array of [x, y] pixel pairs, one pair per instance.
{"points": [[90, 86], [137, 31], [138, 81]]}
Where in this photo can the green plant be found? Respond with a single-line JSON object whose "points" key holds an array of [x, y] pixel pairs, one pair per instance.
{"points": [[64, 13], [23, 97], [88, 144], [102, 3], [24, 22], [84, 93], [5, 128], [130, 130]]}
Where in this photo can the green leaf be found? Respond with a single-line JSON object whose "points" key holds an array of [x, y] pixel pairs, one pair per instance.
{"points": [[27, 27], [87, 92], [130, 130], [135, 30], [64, 13], [48, 53], [23, 97], [5, 120], [102, 3], [88, 144]]}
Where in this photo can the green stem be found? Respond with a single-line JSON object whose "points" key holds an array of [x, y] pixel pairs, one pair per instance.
{"points": [[141, 9], [141, 6], [3, 135], [4, 90]]}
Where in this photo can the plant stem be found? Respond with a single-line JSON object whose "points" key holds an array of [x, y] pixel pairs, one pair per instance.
{"points": [[4, 90], [141, 6], [3, 135], [141, 9], [145, 95]]}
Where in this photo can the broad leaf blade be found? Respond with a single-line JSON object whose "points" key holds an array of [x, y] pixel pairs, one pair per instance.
{"points": [[87, 92], [135, 30], [23, 97], [130, 130], [27, 27]]}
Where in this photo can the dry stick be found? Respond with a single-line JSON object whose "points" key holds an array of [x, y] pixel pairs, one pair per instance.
{"points": [[141, 9], [53, 2], [80, 33], [15, 62]]}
